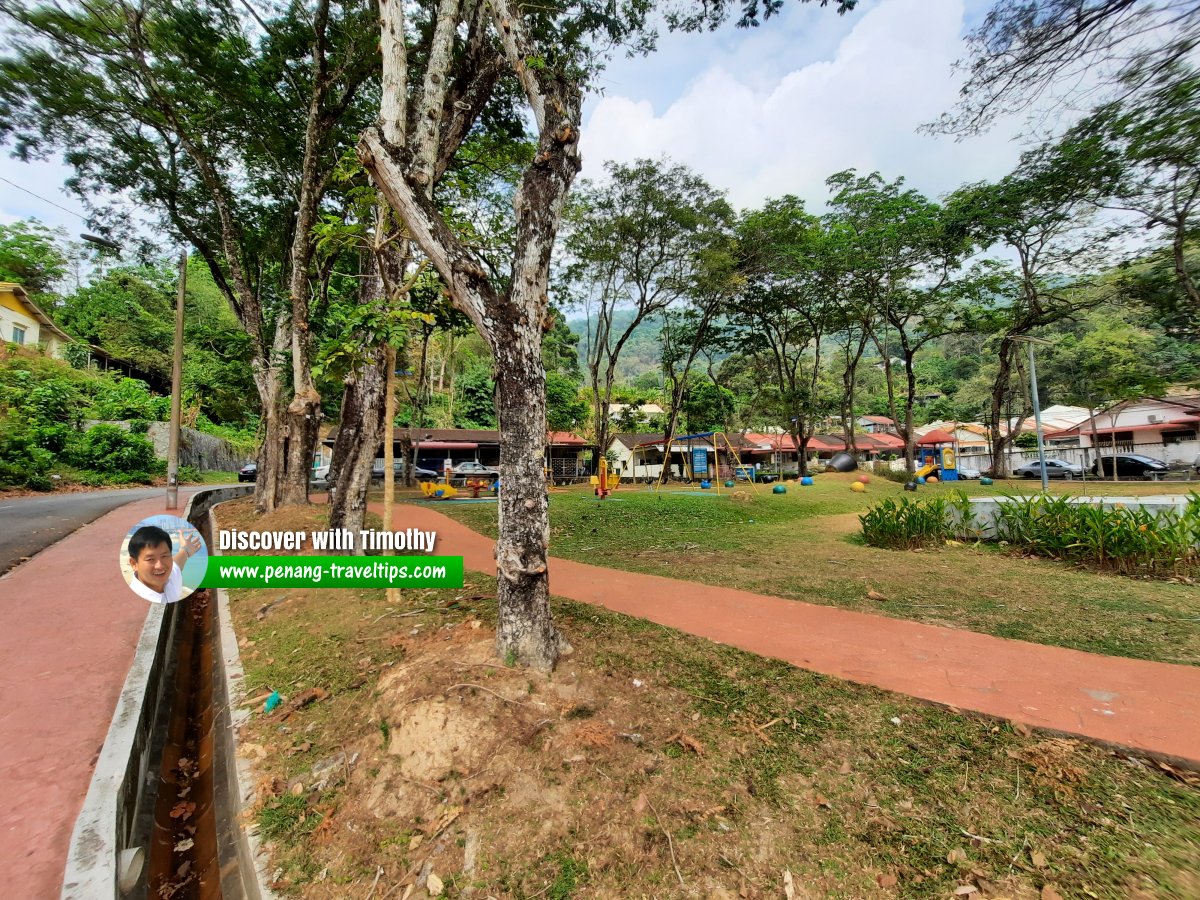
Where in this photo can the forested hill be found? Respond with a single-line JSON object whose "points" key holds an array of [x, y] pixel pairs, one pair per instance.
{"points": [[642, 352]]}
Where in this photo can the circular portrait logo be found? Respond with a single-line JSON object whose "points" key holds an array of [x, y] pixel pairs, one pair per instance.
{"points": [[163, 559]]}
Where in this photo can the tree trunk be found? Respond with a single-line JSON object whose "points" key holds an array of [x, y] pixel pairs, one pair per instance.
{"points": [[357, 441], [525, 628], [1001, 439], [802, 443]]}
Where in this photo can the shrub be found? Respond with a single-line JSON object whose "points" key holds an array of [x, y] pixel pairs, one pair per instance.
{"points": [[112, 450], [1128, 541]]}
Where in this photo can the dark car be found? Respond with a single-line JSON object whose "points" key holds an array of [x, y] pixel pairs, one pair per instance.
{"points": [[1055, 468], [248, 472], [1133, 465]]}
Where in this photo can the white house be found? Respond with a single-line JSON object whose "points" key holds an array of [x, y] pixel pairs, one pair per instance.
{"points": [[1165, 428], [21, 322]]}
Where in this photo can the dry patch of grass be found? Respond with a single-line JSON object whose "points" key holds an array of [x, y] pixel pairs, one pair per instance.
{"points": [[654, 764]]}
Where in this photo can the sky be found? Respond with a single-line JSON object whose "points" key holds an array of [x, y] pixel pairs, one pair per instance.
{"points": [[775, 110], [758, 112]]}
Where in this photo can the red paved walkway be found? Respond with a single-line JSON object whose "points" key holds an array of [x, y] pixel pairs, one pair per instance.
{"points": [[1130, 703], [68, 628]]}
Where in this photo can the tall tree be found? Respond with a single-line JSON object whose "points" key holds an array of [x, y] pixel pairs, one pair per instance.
{"points": [[485, 56], [637, 245], [905, 263], [1147, 160], [178, 108], [1040, 213], [1025, 50], [786, 308], [32, 255]]}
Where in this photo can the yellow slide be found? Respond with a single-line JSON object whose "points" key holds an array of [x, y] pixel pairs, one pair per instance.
{"points": [[924, 471]]}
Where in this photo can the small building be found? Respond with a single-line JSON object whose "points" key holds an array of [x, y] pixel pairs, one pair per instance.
{"points": [[1166, 428], [567, 455], [641, 456], [23, 323], [877, 424], [970, 437]]}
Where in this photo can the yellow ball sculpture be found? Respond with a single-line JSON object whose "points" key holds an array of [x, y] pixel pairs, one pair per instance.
{"points": [[858, 487]]}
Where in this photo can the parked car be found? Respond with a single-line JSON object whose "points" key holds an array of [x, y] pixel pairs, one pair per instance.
{"points": [[969, 474], [471, 467], [1055, 468], [397, 466], [1133, 465], [248, 472]]}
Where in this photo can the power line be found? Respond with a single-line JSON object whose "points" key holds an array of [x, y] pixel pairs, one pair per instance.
{"points": [[43, 199]]}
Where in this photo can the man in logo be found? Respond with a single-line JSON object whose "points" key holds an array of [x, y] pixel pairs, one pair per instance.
{"points": [[157, 575]]}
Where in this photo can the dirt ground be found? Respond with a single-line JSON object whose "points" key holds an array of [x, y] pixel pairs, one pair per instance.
{"points": [[407, 761]]}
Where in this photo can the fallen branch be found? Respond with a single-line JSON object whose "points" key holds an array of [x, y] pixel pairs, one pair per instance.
{"points": [[480, 687], [670, 843]]}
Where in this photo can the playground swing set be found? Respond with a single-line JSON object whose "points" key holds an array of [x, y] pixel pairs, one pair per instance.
{"points": [[695, 464]]}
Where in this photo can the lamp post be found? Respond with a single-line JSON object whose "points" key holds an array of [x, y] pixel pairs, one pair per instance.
{"points": [[176, 390], [1037, 405]]}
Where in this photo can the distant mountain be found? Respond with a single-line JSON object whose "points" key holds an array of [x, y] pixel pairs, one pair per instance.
{"points": [[642, 352]]}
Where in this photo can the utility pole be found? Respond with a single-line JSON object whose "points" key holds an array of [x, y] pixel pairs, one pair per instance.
{"points": [[1037, 406], [176, 390]]}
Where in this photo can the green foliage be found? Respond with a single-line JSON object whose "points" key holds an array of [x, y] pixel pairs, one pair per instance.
{"points": [[1130, 541], [565, 410], [31, 256], [128, 398], [906, 524], [111, 449], [475, 406]]}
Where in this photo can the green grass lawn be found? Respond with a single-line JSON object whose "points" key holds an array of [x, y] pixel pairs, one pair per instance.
{"points": [[805, 545]]}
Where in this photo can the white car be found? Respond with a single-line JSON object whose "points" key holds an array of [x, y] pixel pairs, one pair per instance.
{"points": [[471, 467]]}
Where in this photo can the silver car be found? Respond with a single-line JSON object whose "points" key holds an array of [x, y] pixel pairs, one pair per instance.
{"points": [[1055, 468]]}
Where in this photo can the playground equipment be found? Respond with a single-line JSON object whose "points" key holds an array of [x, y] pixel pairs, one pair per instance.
{"points": [[858, 487], [924, 471], [842, 462], [910, 485], [806, 481], [937, 457], [696, 461], [864, 478], [932, 479], [438, 490], [985, 481], [779, 489], [605, 482]]}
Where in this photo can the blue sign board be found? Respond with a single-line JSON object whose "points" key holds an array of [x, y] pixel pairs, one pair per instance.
{"points": [[700, 462]]}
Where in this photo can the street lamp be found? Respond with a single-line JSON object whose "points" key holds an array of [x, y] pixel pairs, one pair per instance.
{"points": [[1037, 404]]}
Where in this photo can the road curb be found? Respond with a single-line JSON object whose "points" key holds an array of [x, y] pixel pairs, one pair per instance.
{"points": [[117, 817]]}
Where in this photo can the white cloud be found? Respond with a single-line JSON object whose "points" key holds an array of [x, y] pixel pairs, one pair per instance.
{"points": [[760, 137]]}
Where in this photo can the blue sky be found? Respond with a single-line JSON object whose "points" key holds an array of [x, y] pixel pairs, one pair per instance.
{"points": [[777, 109], [759, 112]]}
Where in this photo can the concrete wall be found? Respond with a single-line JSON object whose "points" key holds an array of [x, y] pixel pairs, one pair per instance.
{"points": [[203, 451]]}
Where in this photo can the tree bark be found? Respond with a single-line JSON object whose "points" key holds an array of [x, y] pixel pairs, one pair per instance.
{"points": [[356, 444], [1001, 438], [525, 629]]}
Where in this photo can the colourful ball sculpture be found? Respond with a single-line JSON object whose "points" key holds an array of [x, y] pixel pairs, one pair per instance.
{"points": [[806, 480], [985, 481], [729, 483], [932, 479], [779, 489], [921, 479], [910, 485], [864, 478], [858, 487]]}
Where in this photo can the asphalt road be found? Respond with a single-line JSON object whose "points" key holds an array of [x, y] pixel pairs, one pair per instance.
{"points": [[31, 524]]}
